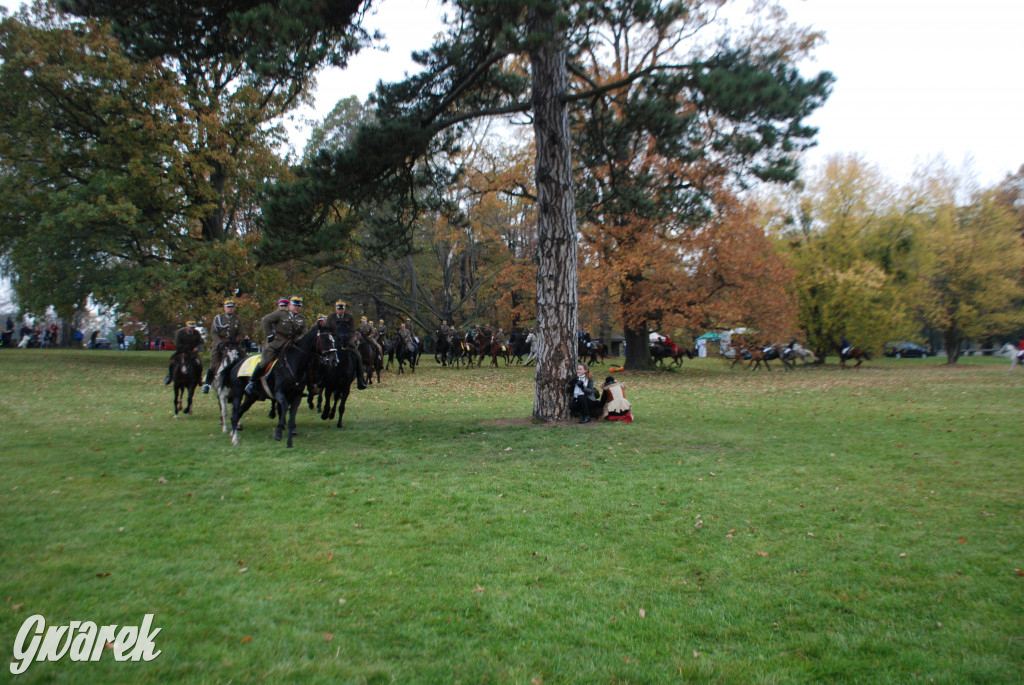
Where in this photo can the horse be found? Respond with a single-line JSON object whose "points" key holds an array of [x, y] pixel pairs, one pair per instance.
{"points": [[338, 384], [790, 353], [1015, 354], [592, 350], [531, 358], [518, 347], [318, 368], [187, 373], [848, 353], [754, 354], [494, 348], [660, 351], [220, 388], [446, 349], [369, 356], [405, 353], [286, 381]]}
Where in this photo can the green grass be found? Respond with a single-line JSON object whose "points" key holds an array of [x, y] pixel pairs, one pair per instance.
{"points": [[858, 526]]}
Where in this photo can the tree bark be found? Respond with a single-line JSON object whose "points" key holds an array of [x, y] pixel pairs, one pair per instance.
{"points": [[638, 349], [953, 340], [557, 277]]}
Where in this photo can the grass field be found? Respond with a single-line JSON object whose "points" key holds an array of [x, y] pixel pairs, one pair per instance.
{"points": [[816, 526]]}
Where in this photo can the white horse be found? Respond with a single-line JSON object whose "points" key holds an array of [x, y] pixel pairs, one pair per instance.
{"points": [[1016, 355], [221, 390], [790, 354], [531, 357]]}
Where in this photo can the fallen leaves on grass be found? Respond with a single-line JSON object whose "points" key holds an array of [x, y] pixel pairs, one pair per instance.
{"points": [[246, 639], [643, 613], [479, 588], [762, 554]]}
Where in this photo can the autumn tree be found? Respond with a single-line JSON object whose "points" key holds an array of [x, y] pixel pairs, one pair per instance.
{"points": [[972, 267], [847, 245], [477, 70]]}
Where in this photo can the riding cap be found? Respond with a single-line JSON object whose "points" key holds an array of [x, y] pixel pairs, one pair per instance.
{"points": [[381, 321], [296, 300], [229, 303], [339, 304], [283, 302], [609, 380], [362, 319], [321, 317], [190, 324]]}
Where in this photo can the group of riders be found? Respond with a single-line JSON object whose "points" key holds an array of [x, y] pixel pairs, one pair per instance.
{"points": [[281, 327]]}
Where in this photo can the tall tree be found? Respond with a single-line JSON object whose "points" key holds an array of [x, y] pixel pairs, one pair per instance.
{"points": [[151, 166], [478, 69], [844, 245], [972, 269], [656, 155]]}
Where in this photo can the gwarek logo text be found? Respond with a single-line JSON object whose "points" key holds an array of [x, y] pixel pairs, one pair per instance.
{"points": [[81, 641]]}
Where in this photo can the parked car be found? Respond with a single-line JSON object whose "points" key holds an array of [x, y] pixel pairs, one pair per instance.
{"points": [[905, 348]]}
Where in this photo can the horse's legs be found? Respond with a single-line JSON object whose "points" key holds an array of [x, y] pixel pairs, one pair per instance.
{"points": [[282, 401], [240, 405], [191, 391], [343, 392], [294, 408]]}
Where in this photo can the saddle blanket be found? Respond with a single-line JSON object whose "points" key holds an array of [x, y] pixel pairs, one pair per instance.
{"points": [[249, 365]]}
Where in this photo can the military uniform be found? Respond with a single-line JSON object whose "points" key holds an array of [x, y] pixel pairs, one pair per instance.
{"points": [[369, 332], [226, 329], [406, 337], [343, 325], [382, 330], [187, 340], [279, 328]]}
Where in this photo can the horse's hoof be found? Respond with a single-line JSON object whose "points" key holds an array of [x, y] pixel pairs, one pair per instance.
{"points": [[277, 435], [293, 432]]}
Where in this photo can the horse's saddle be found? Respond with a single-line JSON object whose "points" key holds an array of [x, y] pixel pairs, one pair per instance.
{"points": [[246, 368]]}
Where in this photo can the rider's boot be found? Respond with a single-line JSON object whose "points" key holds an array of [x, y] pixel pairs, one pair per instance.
{"points": [[250, 387], [209, 379], [170, 370]]}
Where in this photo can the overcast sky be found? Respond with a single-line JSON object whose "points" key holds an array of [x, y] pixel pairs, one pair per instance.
{"points": [[915, 78]]}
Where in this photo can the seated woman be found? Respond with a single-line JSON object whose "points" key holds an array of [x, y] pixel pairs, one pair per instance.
{"points": [[583, 398], [616, 406]]}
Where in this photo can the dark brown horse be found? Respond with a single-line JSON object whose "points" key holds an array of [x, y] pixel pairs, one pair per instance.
{"points": [[494, 348], [187, 373], [855, 353]]}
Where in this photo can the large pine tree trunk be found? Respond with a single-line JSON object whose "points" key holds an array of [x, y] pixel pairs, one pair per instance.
{"points": [[557, 282]]}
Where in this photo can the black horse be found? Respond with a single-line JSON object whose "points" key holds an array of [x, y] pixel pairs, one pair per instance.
{"points": [[405, 353], [186, 375], [446, 349], [187, 372], [660, 352], [338, 384], [286, 381]]}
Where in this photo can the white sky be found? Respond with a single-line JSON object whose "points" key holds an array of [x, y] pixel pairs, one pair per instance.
{"points": [[915, 78]]}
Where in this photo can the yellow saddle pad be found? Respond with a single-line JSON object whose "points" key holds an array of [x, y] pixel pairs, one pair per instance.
{"points": [[249, 365]]}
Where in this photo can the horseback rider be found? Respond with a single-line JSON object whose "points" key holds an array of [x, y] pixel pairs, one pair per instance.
{"points": [[369, 332], [444, 330], [280, 328], [187, 340], [845, 346], [382, 330], [342, 324], [225, 330], [405, 335]]}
